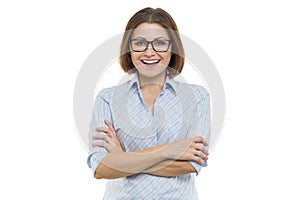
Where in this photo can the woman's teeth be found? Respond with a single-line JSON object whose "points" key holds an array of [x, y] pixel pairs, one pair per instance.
{"points": [[150, 61]]}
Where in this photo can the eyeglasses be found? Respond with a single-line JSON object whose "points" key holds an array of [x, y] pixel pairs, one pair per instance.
{"points": [[158, 45]]}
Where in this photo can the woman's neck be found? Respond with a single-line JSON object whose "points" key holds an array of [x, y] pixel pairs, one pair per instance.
{"points": [[152, 83]]}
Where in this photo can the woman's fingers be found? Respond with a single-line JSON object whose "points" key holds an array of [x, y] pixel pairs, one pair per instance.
{"points": [[110, 139], [100, 144], [104, 130], [199, 150], [110, 131], [110, 126], [102, 137], [200, 154], [108, 145], [198, 160], [200, 147], [200, 140], [108, 123], [99, 137]]}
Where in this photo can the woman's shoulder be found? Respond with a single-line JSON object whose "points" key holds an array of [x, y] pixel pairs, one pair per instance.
{"points": [[106, 93], [109, 92], [198, 90]]}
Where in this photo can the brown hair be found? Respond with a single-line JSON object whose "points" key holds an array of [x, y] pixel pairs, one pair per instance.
{"points": [[150, 15]]}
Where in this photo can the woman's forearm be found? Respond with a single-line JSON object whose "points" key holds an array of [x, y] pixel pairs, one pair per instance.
{"points": [[121, 164], [170, 168]]}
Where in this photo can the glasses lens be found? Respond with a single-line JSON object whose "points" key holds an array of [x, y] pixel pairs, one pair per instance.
{"points": [[138, 45], [161, 45]]}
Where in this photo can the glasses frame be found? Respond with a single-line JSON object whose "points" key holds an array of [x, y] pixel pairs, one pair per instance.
{"points": [[149, 42]]}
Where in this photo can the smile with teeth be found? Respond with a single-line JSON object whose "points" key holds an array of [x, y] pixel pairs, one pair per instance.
{"points": [[150, 62]]}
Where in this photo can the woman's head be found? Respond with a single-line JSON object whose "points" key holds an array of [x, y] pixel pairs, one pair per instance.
{"points": [[156, 26]]}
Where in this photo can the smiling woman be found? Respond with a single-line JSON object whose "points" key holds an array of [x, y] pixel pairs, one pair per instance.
{"points": [[150, 24], [149, 134]]}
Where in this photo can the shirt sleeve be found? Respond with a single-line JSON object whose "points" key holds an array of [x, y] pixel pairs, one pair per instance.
{"points": [[101, 111], [200, 125]]}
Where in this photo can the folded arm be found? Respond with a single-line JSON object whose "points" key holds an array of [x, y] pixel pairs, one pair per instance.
{"points": [[164, 168], [163, 160]]}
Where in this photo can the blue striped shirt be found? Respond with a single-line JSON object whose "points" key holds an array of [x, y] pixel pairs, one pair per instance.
{"points": [[181, 110]]}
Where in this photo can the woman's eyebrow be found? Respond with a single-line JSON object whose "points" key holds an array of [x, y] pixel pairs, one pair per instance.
{"points": [[161, 37], [139, 38]]}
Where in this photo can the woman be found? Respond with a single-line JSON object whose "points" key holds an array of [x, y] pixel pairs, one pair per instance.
{"points": [[148, 135]]}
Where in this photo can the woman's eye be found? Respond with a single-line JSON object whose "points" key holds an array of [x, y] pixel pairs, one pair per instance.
{"points": [[159, 42], [140, 43]]}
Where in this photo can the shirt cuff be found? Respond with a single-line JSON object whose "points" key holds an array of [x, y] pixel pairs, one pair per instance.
{"points": [[197, 166], [94, 160]]}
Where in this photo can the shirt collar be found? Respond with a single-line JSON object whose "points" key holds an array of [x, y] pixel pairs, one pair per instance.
{"points": [[169, 83]]}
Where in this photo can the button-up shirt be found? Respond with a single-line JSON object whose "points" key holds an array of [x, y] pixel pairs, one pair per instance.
{"points": [[181, 110]]}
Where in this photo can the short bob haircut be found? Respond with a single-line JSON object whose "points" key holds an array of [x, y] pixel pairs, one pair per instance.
{"points": [[150, 15]]}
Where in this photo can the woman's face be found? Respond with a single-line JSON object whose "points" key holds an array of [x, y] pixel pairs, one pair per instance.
{"points": [[151, 62]]}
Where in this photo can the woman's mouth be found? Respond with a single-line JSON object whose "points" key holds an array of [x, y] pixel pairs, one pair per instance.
{"points": [[151, 62]]}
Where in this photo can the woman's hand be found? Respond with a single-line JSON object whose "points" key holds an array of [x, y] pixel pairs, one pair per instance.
{"points": [[188, 149], [110, 140]]}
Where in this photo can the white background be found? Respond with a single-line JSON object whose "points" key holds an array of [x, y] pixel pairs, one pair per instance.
{"points": [[254, 44]]}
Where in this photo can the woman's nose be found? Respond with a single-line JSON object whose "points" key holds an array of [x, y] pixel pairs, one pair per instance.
{"points": [[149, 51]]}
